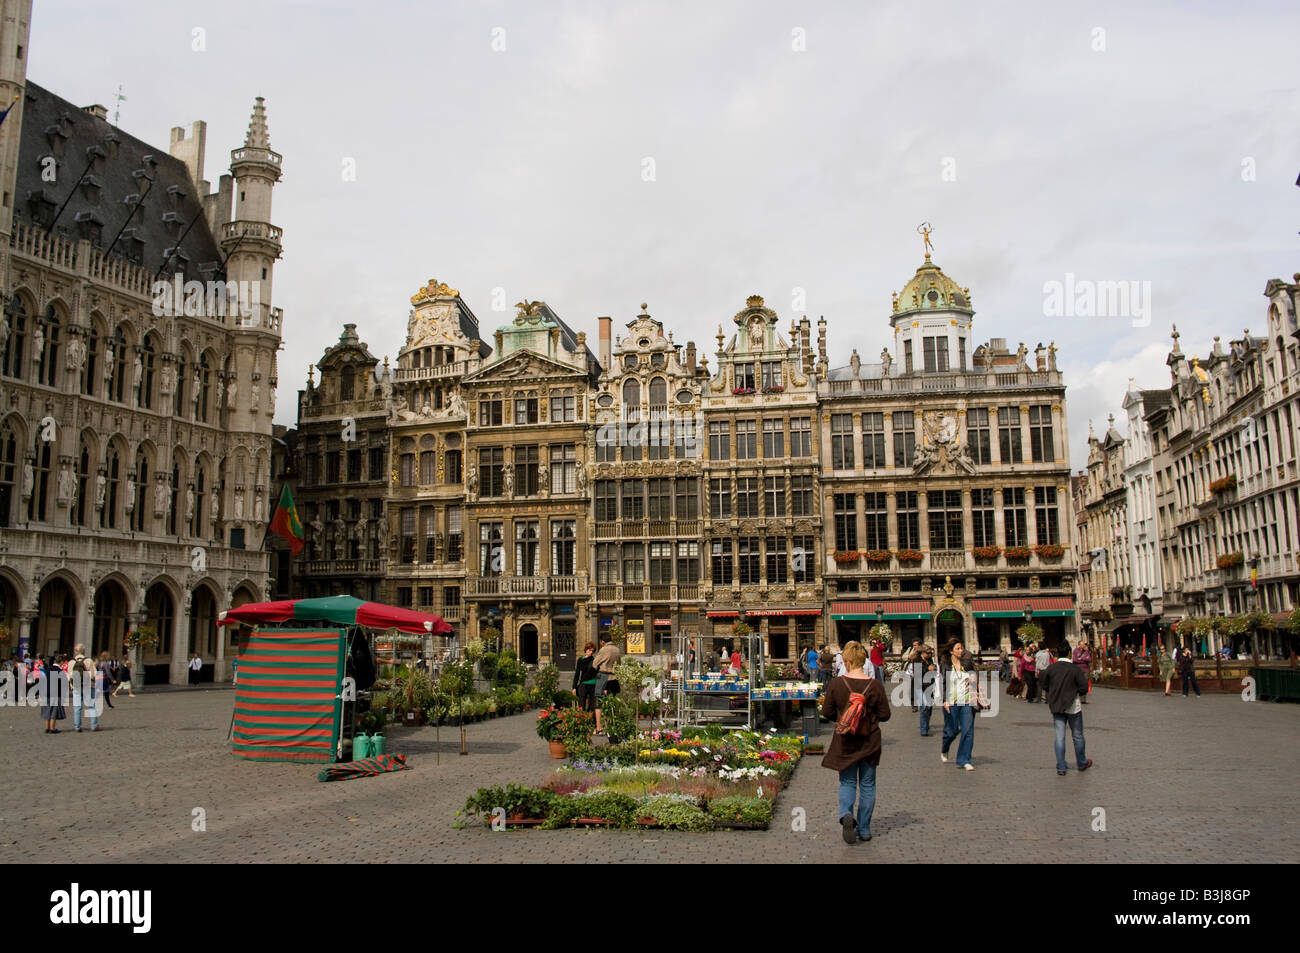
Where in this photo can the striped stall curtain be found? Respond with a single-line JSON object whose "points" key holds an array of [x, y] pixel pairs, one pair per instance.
{"points": [[287, 698]]}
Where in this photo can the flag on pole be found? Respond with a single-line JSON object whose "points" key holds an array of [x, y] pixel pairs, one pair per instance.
{"points": [[285, 523], [4, 113]]}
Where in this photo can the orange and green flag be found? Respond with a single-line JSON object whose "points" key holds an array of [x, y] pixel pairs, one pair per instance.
{"points": [[286, 524]]}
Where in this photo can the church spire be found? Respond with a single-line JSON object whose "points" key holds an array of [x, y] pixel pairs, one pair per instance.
{"points": [[258, 137]]}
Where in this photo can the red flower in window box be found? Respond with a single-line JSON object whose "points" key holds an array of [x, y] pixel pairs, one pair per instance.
{"points": [[774, 389], [1224, 485], [845, 555], [1050, 550], [877, 556], [742, 391], [987, 552], [910, 555], [1230, 560], [1017, 552]]}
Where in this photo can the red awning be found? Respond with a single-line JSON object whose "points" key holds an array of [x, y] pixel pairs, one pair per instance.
{"points": [[1018, 603], [890, 608]]}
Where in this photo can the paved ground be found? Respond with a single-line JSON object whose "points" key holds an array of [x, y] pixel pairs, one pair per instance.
{"points": [[1209, 780]]}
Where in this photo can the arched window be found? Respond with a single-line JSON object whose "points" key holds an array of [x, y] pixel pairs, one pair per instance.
{"points": [[182, 382], [90, 366], [200, 487], [47, 367], [144, 395], [116, 357], [658, 392], [203, 380], [632, 394], [8, 472], [14, 349], [84, 462], [36, 506], [173, 518], [112, 488], [140, 503], [347, 383]]}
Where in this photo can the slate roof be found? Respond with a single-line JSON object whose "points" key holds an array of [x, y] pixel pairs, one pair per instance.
{"points": [[570, 340], [170, 202]]}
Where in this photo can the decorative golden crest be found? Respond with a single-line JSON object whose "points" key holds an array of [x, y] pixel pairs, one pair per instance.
{"points": [[434, 289]]}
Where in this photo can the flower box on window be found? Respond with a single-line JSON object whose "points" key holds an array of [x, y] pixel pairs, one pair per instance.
{"points": [[910, 555], [845, 555], [1016, 552], [987, 552], [877, 557], [1224, 484], [774, 389], [1050, 550], [1230, 560], [742, 391]]}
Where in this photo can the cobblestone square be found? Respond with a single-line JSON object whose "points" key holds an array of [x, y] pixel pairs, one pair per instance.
{"points": [[1179, 780]]}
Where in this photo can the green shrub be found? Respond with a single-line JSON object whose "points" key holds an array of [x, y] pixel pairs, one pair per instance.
{"points": [[548, 680], [564, 698], [372, 721], [487, 666], [620, 809], [739, 809], [515, 799], [617, 719], [677, 814]]}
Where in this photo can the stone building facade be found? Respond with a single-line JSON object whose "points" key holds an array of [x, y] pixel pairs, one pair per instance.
{"points": [[1105, 585], [135, 421], [944, 476]]}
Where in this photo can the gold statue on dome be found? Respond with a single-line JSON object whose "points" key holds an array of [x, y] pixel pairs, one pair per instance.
{"points": [[528, 308], [925, 229]]}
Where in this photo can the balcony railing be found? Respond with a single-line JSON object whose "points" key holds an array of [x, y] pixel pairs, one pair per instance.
{"points": [[947, 559], [527, 585], [453, 369], [329, 567], [616, 593]]}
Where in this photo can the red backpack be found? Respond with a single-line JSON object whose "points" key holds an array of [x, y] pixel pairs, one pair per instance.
{"points": [[851, 718]]}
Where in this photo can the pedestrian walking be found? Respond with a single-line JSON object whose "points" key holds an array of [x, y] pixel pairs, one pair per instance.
{"points": [[857, 704], [1029, 670], [1186, 666], [925, 675], [1165, 663], [605, 660], [584, 678], [960, 696], [1064, 685], [54, 695], [814, 661], [914, 672], [837, 666], [124, 678], [690, 661], [1042, 659], [82, 675], [196, 666], [1082, 657], [108, 669], [825, 666]]}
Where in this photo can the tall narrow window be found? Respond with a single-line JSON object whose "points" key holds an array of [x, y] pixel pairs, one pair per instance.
{"points": [[1045, 515], [173, 500], [904, 438], [36, 506], [564, 542], [564, 468], [688, 498], [428, 522], [451, 469], [908, 514], [801, 436], [746, 439], [981, 507], [203, 382], [112, 489], [719, 440], [90, 366], [408, 526], [606, 501], [773, 439], [873, 441], [347, 383], [877, 520], [774, 496], [720, 499], [47, 368], [633, 500], [146, 356], [455, 534], [801, 496], [747, 560], [1009, 434], [977, 435], [688, 562], [196, 520], [659, 498], [777, 563], [633, 563], [1041, 447], [491, 465], [139, 518], [746, 497], [80, 506], [846, 521], [526, 463], [720, 563], [14, 350], [8, 473], [1015, 525], [842, 441], [179, 408]]}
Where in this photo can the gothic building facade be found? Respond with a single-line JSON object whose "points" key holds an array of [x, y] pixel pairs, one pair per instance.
{"points": [[137, 378]]}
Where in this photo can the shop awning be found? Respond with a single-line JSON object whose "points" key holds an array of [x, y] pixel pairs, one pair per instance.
{"points": [[1169, 621], [1014, 608], [872, 608], [732, 613]]}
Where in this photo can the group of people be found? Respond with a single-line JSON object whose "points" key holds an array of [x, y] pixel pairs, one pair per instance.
{"points": [[857, 702], [77, 682], [1182, 663], [821, 664], [593, 676], [1028, 663]]}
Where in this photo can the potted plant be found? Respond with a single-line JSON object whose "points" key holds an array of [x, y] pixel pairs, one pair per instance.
{"points": [[910, 555], [1230, 560], [619, 720], [1029, 632], [877, 557], [1019, 553], [1050, 550], [575, 730], [987, 552], [845, 555], [1224, 484], [548, 729]]}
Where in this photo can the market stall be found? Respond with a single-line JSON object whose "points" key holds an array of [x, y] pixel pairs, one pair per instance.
{"points": [[290, 702]]}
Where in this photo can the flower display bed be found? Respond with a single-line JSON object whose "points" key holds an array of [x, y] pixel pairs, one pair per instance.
{"points": [[693, 779]]}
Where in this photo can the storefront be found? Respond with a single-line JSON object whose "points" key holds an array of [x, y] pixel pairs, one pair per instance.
{"points": [[784, 631], [1052, 614], [907, 618]]}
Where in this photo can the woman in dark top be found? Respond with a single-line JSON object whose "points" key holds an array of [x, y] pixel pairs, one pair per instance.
{"points": [[584, 679], [855, 756], [56, 691]]}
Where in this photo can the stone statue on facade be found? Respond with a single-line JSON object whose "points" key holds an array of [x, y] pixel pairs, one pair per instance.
{"points": [[239, 506], [885, 362], [161, 494], [855, 363], [471, 482], [67, 482], [510, 479], [129, 502], [29, 479], [101, 489], [38, 343], [76, 353], [214, 507], [259, 506]]}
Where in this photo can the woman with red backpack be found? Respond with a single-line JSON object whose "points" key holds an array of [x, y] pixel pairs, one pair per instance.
{"points": [[857, 704]]}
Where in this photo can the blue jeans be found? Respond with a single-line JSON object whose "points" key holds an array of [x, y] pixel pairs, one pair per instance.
{"points": [[1076, 729], [859, 781], [959, 720], [1190, 676], [925, 719], [88, 704]]}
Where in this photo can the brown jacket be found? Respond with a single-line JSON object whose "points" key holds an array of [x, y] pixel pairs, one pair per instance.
{"points": [[607, 658], [847, 750]]}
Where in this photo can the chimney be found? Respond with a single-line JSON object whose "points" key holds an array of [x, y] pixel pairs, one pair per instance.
{"points": [[98, 111], [606, 327], [690, 358], [805, 345], [190, 151]]}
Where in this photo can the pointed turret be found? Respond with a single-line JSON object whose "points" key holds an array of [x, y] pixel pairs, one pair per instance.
{"points": [[257, 137]]}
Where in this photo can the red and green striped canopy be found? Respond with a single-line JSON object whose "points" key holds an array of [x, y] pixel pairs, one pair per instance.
{"points": [[337, 610], [286, 696]]}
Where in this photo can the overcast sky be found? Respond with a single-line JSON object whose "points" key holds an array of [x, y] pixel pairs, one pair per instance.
{"points": [[794, 146]]}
